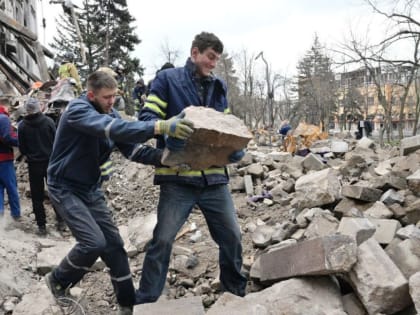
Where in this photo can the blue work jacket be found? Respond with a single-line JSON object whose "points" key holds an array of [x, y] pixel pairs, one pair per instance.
{"points": [[85, 139], [171, 91]]}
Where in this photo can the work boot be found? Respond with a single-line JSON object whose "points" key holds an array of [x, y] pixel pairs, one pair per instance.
{"points": [[125, 310], [60, 293], [42, 230], [61, 226]]}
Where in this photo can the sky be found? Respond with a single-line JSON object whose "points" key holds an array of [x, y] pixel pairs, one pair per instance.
{"points": [[283, 29]]}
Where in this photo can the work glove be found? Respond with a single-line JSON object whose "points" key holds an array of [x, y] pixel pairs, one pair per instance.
{"points": [[176, 127], [175, 144], [236, 156]]}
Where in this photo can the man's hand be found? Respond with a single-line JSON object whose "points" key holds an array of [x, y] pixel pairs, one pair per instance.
{"points": [[174, 144], [176, 127], [236, 156]]}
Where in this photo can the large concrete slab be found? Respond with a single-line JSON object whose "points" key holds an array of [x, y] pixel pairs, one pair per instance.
{"points": [[182, 306], [380, 285], [409, 145], [319, 256], [361, 193], [303, 296], [216, 135]]}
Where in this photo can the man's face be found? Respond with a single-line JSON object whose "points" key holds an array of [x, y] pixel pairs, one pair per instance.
{"points": [[205, 61], [103, 98]]}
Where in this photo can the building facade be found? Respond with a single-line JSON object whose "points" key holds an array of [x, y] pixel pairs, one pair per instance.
{"points": [[358, 96], [25, 14]]}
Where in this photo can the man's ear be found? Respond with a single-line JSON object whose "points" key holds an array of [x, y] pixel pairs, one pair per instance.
{"points": [[194, 52], [90, 95]]}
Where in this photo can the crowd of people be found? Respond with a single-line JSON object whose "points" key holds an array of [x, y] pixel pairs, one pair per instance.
{"points": [[71, 160]]}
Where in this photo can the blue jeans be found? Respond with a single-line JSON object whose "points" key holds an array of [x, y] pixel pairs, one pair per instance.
{"points": [[175, 204], [90, 221], [8, 182]]}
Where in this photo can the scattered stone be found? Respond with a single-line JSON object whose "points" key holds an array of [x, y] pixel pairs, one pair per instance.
{"points": [[386, 229], [361, 193], [379, 283], [320, 256], [182, 306], [359, 228], [410, 144], [414, 182]]}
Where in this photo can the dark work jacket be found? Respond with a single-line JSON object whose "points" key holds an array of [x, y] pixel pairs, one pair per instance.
{"points": [[171, 91], [85, 139], [36, 137]]}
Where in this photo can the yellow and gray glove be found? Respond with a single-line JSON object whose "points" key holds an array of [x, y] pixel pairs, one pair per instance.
{"points": [[176, 127]]}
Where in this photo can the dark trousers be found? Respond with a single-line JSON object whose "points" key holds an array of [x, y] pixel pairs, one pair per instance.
{"points": [[90, 221], [8, 182], [175, 205], [37, 178]]}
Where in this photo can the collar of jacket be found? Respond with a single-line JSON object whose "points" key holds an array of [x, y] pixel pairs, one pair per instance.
{"points": [[96, 107], [192, 69]]}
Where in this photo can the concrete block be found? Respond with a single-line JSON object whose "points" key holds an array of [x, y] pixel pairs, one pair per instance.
{"points": [[216, 135], [320, 256]]}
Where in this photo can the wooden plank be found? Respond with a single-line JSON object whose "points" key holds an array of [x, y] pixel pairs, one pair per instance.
{"points": [[14, 77], [15, 26], [33, 76], [43, 68]]}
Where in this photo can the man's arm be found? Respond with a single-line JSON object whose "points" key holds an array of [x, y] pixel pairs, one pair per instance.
{"points": [[21, 139], [155, 105], [141, 153]]}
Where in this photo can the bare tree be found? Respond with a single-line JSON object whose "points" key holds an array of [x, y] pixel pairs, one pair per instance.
{"points": [[405, 30], [251, 104], [225, 70], [169, 53]]}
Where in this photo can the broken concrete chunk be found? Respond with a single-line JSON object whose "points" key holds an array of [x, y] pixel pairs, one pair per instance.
{"points": [[385, 229], [409, 145], [359, 228], [380, 285], [361, 192], [184, 306], [216, 136], [414, 182], [319, 256], [414, 283]]}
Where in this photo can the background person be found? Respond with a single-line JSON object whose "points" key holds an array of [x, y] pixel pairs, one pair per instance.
{"points": [[8, 140], [36, 134], [68, 69]]}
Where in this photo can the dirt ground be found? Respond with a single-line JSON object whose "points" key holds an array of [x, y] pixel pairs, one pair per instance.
{"points": [[131, 193]]}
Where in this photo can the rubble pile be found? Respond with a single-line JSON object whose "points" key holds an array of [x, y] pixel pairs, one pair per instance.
{"points": [[333, 232]]}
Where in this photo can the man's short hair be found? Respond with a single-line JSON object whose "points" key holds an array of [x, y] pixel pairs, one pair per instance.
{"points": [[100, 80], [206, 40]]}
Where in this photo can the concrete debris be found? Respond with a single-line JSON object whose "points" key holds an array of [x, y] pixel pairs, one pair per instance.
{"points": [[331, 233], [216, 136]]}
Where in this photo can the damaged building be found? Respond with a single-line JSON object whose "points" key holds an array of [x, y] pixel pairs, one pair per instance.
{"points": [[22, 57]]}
